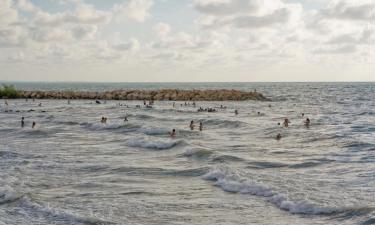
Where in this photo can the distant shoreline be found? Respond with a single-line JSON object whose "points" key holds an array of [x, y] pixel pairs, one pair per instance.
{"points": [[157, 95]]}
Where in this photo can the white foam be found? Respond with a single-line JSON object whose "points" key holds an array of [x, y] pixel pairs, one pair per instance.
{"points": [[231, 182], [53, 213], [8, 194], [159, 144]]}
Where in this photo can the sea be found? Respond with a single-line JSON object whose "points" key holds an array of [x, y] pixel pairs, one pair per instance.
{"points": [[73, 169]]}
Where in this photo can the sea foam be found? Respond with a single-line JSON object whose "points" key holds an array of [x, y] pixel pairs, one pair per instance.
{"points": [[231, 182]]}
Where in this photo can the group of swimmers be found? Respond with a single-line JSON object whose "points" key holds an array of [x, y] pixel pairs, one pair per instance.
{"points": [[192, 126], [286, 123], [104, 119], [23, 123]]}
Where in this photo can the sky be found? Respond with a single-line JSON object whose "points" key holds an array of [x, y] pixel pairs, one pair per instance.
{"points": [[187, 40]]}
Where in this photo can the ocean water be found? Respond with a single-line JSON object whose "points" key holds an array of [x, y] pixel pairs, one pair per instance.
{"points": [[72, 169]]}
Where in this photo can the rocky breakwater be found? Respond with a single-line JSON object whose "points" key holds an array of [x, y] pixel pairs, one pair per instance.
{"points": [[157, 95]]}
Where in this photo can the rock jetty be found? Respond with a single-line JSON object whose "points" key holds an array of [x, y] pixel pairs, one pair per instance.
{"points": [[157, 95]]}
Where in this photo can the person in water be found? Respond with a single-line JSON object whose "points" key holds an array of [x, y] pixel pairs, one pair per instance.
{"points": [[303, 114], [126, 119], [307, 122], [236, 111], [200, 126], [34, 124], [192, 125], [286, 122], [22, 121], [278, 136], [173, 133]]}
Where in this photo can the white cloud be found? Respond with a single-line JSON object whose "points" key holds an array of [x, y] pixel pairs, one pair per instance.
{"points": [[246, 13], [351, 10], [162, 30], [137, 10]]}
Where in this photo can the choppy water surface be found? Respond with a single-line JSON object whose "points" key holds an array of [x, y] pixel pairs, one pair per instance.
{"points": [[71, 169]]}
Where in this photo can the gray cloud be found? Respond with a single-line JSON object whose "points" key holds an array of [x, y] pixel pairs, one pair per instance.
{"points": [[351, 10]]}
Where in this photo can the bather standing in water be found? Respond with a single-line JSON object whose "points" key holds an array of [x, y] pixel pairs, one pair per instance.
{"points": [[22, 121], [192, 125], [307, 122], [286, 122], [278, 136], [200, 126], [126, 119], [236, 112], [173, 133], [34, 124]]}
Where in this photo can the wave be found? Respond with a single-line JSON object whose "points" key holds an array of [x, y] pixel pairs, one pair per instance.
{"points": [[8, 154], [266, 165], [197, 153], [223, 123], [8, 195], [69, 123], [54, 214], [206, 154], [226, 158], [110, 126], [231, 182], [159, 144], [154, 131], [368, 222]]}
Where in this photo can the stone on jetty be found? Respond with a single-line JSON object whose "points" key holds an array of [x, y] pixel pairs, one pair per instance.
{"points": [[157, 95]]}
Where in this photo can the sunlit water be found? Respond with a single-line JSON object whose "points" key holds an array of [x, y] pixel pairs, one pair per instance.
{"points": [[71, 169]]}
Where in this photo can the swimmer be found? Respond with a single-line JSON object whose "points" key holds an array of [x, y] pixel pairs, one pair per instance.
{"points": [[200, 126], [33, 125], [40, 104], [236, 112], [6, 102], [278, 136], [126, 119], [307, 122], [286, 122], [23, 122], [173, 133], [191, 125], [278, 124], [173, 104], [303, 114]]}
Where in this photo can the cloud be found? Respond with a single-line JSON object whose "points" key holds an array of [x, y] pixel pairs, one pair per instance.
{"points": [[357, 10], [132, 44], [83, 14], [246, 13], [136, 10], [8, 14], [161, 30], [345, 49]]}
